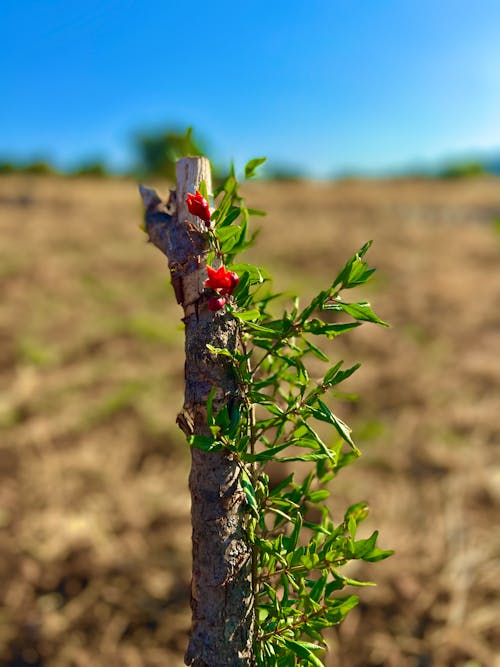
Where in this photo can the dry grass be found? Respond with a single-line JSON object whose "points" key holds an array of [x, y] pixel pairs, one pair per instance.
{"points": [[94, 510]]}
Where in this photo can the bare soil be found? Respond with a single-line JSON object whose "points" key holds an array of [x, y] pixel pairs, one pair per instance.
{"points": [[94, 507]]}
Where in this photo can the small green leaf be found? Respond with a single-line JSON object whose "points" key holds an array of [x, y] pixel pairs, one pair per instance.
{"points": [[339, 608], [227, 233], [202, 187], [324, 413], [232, 240], [222, 417], [347, 581], [252, 165], [247, 315], [319, 586], [205, 443], [304, 650], [365, 547], [267, 454], [257, 274], [378, 554], [316, 351], [210, 401], [360, 311], [355, 271], [219, 351], [313, 456], [291, 542], [319, 328], [233, 213], [358, 511], [335, 376], [249, 493], [318, 495]]}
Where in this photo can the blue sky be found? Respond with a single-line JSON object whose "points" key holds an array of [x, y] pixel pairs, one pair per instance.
{"points": [[331, 85]]}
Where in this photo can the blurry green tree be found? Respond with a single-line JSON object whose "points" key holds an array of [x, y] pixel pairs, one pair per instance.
{"points": [[158, 152], [463, 170], [93, 168]]}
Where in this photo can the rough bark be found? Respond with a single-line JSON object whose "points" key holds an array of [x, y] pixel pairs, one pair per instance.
{"points": [[221, 593]]}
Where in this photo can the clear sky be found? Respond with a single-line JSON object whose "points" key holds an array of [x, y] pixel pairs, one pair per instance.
{"points": [[327, 84]]}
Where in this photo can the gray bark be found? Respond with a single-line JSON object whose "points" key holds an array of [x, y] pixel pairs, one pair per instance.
{"points": [[221, 594]]}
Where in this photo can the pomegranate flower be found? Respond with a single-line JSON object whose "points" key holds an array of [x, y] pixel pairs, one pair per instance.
{"points": [[221, 280], [198, 205], [216, 303]]}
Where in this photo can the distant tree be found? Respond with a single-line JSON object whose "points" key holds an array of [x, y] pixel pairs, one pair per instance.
{"points": [[463, 170], [38, 168], [95, 169], [7, 167], [159, 151]]}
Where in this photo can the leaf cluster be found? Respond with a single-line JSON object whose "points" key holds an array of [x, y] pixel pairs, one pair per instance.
{"points": [[282, 416]]}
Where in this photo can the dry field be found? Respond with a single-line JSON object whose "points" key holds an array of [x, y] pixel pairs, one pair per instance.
{"points": [[94, 509]]}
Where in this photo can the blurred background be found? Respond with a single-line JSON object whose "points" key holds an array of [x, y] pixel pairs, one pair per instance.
{"points": [[380, 121]]}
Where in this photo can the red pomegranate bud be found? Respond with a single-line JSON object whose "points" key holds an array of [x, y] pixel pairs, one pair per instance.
{"points": [[215, 303], [221, 280], [198, 205], [234, 278]]}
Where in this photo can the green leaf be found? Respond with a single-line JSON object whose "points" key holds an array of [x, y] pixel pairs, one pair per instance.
{"points": [[257, 274], [360, 311], [358, 511], [339, 608], [267, 454], [256, 211], [252, 165], [324, 413], [202, 187], [315, 437], [273, 409], [320, 328], [304, 650], [347, 581], [355, 272], [227, 233], [316, 351], [335, 376], [233, 213], [210, 401], [241, 291], [319, 586], [205, 443], [318, 495], [264, 333], [222, 417], [249, 493], [219, 351], [378, 554], [247, 315], [231, 239], [365, 547], [291, 542], [313, 456]]}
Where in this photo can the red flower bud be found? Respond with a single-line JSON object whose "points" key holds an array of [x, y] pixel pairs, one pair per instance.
{"points": [[198, 205], [215, 303], [221, 280], [234, 278]]}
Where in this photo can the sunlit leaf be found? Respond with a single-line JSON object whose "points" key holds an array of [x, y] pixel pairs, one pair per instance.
{"points": [[360, 311], [252, 165]]}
